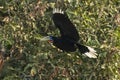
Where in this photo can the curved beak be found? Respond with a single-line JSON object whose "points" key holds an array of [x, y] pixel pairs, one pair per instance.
{"points": [[45, 38]]}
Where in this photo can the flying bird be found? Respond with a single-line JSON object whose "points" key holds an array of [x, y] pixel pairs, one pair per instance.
{"points": [[69, 39]]}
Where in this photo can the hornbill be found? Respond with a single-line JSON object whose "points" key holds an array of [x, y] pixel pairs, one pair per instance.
{"points": [[69, 39]]}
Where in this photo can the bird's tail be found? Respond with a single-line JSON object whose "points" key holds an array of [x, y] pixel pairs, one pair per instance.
{"points": [[88, 51]]}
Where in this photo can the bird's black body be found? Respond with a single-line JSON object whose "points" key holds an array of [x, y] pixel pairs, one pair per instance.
{"points": [[68, 45], [64, 44], [68, 41]]}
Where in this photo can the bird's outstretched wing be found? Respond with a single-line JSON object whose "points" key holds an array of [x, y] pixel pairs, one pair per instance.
{"points": [[64, 24]]}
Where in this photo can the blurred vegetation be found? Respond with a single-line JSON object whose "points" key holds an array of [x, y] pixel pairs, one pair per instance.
{"points": [[24, 22]]}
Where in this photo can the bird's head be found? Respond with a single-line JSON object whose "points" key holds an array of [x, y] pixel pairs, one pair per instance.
{"points": [[47, 38]]}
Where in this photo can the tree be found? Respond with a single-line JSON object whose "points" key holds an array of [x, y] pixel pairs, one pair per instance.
{"points": [[24, 22]]}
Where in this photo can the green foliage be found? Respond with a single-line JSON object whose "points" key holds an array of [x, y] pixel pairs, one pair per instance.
{"points": [[24, 22]]}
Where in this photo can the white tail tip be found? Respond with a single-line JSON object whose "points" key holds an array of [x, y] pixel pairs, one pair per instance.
{"points": [[92, 53], [57, 10]]}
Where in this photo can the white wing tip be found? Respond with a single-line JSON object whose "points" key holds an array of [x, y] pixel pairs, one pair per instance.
{"points": [[57, 10], [92, 53]]}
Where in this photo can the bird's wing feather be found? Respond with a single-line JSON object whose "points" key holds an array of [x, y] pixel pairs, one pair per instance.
{"points": [[64, 24]]}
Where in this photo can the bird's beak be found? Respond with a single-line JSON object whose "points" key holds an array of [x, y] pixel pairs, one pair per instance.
{"points": [[45, 38]]}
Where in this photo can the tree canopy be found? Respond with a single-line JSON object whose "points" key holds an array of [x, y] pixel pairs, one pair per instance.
{"points": [[24, 57]]}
